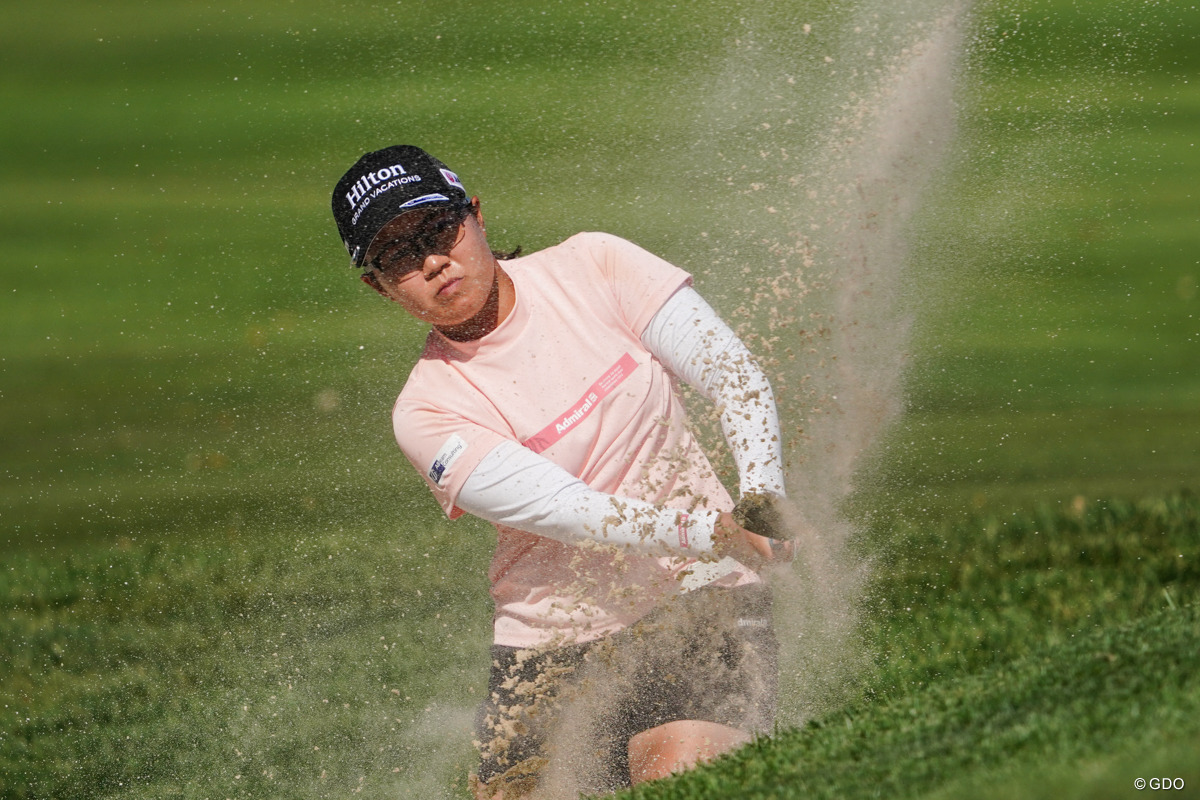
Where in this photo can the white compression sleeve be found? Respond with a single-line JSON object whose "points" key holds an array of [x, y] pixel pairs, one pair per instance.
{"points": [[688, 337], [516, 487]]}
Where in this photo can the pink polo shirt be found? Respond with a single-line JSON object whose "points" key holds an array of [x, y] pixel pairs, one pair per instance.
{"points": [[567, 376]]}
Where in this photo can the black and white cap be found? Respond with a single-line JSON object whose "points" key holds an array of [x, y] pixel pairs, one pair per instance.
{"points": [[383, 185]]}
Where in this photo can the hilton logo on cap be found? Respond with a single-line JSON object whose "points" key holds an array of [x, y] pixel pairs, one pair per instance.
{"points": [[372, 179]]}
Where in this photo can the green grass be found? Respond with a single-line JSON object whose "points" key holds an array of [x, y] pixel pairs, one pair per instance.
{"points": [[241, 667], [209, 536], [1045, 655], [1063, 640], [1046, 725]]}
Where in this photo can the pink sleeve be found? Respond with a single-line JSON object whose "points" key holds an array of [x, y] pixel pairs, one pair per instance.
{"points": [[444, 448], [639, 280]]}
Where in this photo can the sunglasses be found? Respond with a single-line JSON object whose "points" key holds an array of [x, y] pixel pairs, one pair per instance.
{"points": [[437, 234]]}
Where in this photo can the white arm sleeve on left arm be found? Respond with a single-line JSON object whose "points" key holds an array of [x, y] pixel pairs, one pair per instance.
{"points": [[688, 337], [516, 487]]}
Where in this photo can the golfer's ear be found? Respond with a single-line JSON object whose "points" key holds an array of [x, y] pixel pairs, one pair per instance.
{"points": [[478, 212], [372, 280]]}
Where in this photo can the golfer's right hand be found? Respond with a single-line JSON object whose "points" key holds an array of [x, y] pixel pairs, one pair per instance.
{"points": [[762, 513], [731, 539]]}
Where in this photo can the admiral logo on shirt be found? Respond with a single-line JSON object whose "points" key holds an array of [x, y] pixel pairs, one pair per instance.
{"points": [[604, 385]]}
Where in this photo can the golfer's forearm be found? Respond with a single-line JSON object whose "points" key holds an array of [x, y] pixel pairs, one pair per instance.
{"points": [[694, 343], [516, 487]]}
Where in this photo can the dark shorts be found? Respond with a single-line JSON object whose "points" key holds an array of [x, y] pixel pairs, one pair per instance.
{"points": [[709, 654]]}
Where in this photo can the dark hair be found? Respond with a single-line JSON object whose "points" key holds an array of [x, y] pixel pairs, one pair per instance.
{"points": [[506, 256]]}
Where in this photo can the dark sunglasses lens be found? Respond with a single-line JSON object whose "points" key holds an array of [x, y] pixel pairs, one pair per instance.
{"points": [[443, 233], [401, 260], [437, 234]]}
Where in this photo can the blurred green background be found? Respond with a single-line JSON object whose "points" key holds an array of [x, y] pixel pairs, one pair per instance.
{"points": [[194, 389], [184, 350]]}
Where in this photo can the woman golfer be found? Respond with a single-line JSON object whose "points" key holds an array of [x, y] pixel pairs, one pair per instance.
{"points": [[632, 636]]}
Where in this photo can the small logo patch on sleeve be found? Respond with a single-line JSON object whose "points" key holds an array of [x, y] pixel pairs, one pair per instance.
{"points": [[451, 449]]}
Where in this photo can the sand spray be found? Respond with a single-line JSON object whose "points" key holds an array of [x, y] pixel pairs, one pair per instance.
{"points": [[813, 278], [843, 389]]}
